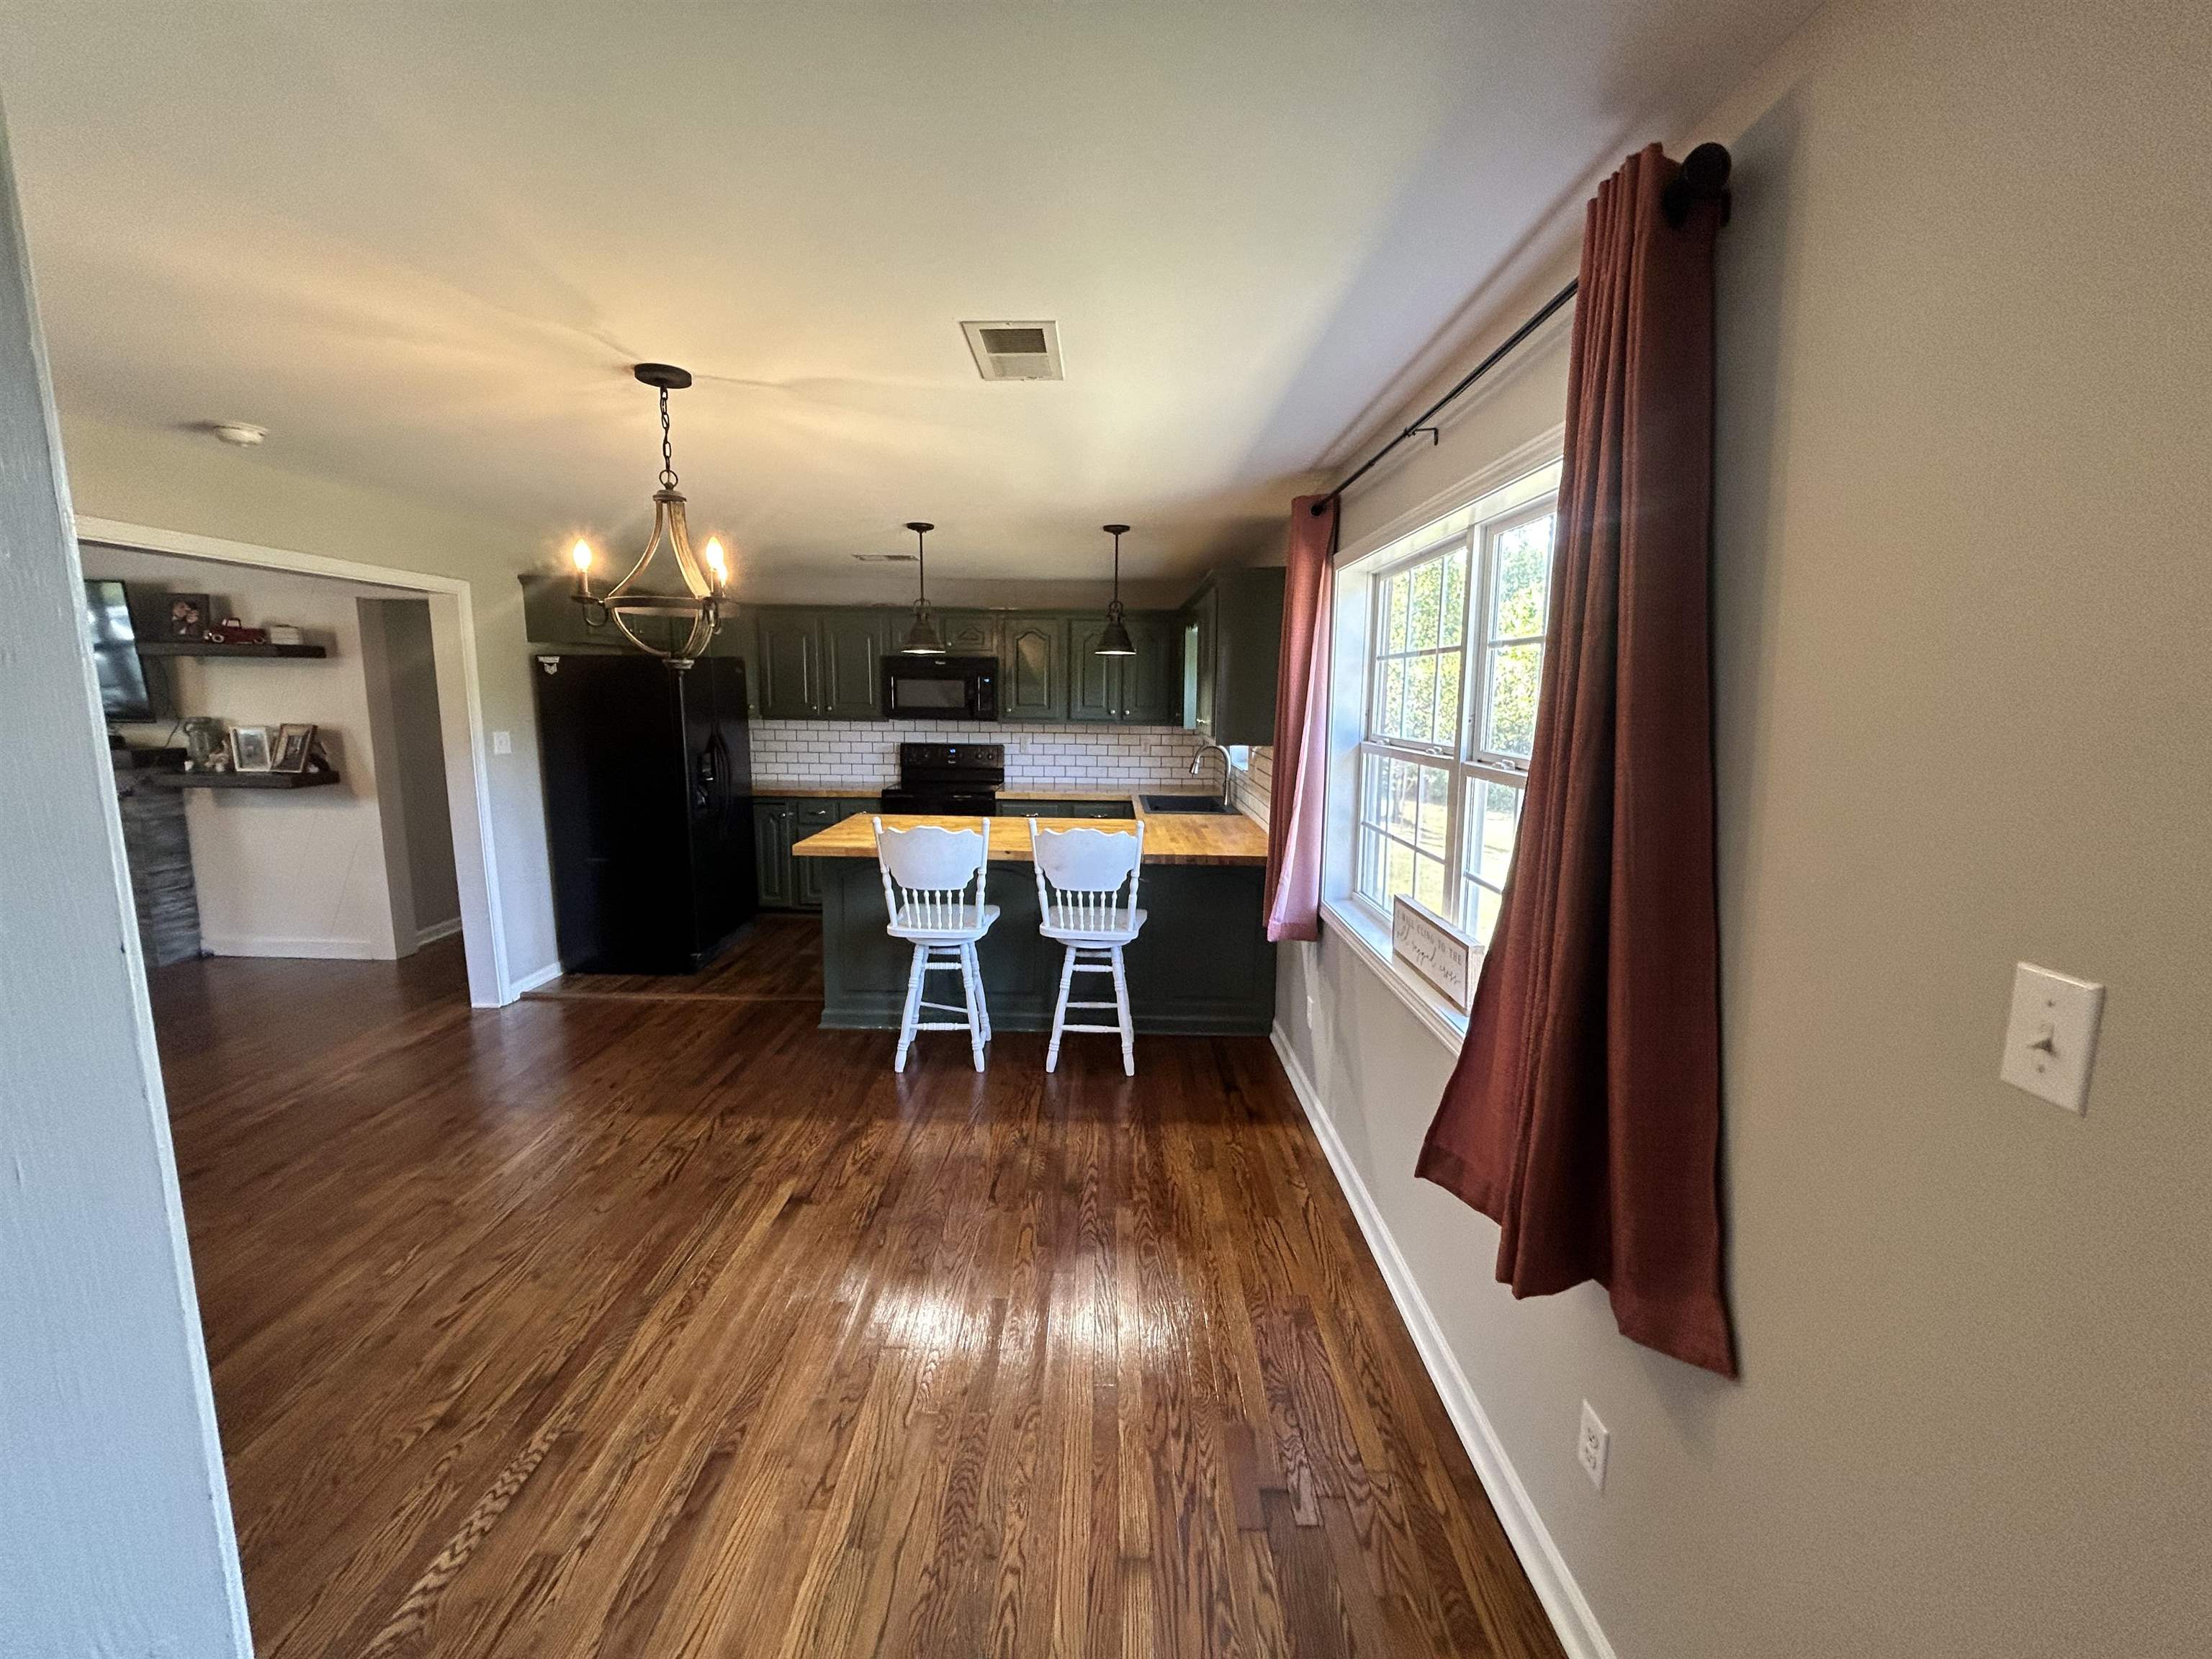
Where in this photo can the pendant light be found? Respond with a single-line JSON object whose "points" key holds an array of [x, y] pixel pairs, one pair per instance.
{"points": [[1114, 641], [704, 578], [922, 640]]}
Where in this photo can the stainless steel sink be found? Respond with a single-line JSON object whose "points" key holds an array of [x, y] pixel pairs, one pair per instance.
{"points": [[1183, 804]]}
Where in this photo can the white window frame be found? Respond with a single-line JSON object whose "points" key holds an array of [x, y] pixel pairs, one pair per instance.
{"points": [[1473, 531]]}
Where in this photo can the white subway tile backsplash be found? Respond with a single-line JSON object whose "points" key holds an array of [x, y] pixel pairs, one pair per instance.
{"points": [[863, 754]]}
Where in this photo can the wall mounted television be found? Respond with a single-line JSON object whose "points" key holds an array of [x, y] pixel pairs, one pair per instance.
{"points": [[124, 692]]}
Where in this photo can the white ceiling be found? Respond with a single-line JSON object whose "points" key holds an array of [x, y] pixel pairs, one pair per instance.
{"points": [[424, 243]]}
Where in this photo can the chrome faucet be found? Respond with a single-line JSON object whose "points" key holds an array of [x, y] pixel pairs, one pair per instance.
{"points": [[1197, 759]]}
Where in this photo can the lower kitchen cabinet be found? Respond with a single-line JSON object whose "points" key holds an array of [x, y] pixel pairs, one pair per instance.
{"points": [[781, 823], [772, 826]]}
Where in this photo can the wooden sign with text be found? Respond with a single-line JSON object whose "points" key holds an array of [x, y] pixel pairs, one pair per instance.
{"points": [[1442, 954]]}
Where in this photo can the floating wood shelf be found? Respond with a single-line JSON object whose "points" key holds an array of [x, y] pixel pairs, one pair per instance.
{"points": [[217, 648], [238, 780]]}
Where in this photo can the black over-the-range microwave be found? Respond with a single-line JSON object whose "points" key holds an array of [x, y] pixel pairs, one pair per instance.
{"points": [[945, 688]]}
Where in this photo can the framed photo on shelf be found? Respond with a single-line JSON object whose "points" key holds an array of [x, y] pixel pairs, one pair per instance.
{"points": [[249, 748], [184, 615], [294, 744], [206, 747]]}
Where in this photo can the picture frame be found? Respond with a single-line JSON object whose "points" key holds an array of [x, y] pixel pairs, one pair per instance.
{"points": [[295, 744], [249, 749], [185, 616], [207, 745]]}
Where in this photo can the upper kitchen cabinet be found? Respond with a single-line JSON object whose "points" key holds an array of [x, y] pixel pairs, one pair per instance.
{"points": [[553, 620], [788, 644], [1232, 632], [1151, 681], [820, 664], [1033, 667], [853, 647], [1145, 690], [966, 632]]}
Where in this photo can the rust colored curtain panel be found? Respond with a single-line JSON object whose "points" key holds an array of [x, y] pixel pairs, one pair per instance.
{"points": [[1295, 814], [1583, 1115]]}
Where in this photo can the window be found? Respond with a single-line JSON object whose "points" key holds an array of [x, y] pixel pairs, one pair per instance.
{"points": [[1455, 620]]}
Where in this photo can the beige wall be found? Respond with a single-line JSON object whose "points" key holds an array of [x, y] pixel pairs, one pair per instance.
{"points": [[401, 669], [278, 875], [182, 481], [1964, 697]]}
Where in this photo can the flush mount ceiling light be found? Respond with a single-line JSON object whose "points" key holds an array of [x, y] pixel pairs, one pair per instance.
{"points": [[239, 435], [1114, 641], [922, 640], [704, 580]]}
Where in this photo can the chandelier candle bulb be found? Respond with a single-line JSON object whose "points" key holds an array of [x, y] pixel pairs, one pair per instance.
{"points": [[581, 556]]}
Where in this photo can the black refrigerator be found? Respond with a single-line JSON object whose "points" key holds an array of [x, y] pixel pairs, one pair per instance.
{"points": [[648, 810]]}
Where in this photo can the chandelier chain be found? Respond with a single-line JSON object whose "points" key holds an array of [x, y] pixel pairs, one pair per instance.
{"points": [[667, 449]]}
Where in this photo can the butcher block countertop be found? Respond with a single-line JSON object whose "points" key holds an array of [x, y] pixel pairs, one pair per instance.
{"points": [[1169, 837]]}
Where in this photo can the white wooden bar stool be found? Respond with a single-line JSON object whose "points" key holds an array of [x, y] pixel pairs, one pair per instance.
{"points": [[1081, 877], [933, 890]]}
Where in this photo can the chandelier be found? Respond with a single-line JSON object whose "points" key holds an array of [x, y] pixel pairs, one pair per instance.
{"points": [[704, 578]]}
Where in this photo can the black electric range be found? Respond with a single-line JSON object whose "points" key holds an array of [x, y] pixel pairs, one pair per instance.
{"points": [[959, 779]]}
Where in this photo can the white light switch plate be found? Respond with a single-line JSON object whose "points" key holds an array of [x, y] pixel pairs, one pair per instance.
{"points": [[503, 742], [2051, 1040]]}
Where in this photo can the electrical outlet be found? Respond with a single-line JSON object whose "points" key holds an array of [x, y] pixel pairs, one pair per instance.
{"points": [[1591, 1446]]}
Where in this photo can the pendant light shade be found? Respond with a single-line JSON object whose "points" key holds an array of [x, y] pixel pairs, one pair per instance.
{"points": [[1114, 639], [922, 639]]}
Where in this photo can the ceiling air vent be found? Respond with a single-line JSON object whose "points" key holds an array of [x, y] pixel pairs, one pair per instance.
{"points": [[1015, 351]]}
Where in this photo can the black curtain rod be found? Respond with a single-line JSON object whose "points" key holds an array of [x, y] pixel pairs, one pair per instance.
{"points": [[1703, 178]]}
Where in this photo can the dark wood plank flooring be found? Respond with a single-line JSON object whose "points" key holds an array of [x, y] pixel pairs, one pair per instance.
{"points": [[616, 1323]]}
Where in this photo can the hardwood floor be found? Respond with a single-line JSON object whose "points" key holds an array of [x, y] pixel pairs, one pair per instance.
{"points": [[616, 1324]]}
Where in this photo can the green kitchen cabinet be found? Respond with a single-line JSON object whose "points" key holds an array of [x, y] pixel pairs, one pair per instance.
{"points": [[1151, 681], [853, 642], [965, 633], [820, 664], [789, 665], [809, 817], [1033, 666], [1232, 642], [1145, 690], [551, 617], [1094, 682], [781, 823], [554, 621], [773, 823]]}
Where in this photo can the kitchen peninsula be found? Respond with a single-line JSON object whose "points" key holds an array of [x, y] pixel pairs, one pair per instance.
{"points": [[1202, 965]]}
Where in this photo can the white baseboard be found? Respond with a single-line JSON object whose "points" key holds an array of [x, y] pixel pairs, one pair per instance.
{"points": [[239, 945], [436, 930], [530, 982], [1563, 1599]]}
